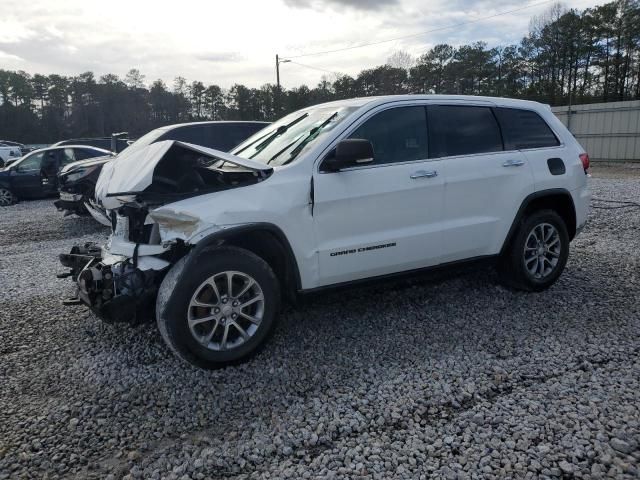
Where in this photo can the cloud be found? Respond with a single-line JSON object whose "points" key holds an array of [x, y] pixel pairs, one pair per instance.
{"points": [[220, 57], [236, 42], [354, 4]]}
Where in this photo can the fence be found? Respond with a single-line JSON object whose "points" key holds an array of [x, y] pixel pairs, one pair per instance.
{"points": [[608, 131]]}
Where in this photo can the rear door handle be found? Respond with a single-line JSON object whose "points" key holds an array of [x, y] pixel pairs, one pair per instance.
{"points": [[513, 163], [424, 174]]}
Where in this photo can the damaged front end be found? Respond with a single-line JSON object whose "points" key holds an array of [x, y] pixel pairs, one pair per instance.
{"points": [[116, 289], [119, 281]]}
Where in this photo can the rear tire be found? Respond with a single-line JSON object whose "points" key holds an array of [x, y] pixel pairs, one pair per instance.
{"points": [[537, 254], [7, 197], [219, 308]]}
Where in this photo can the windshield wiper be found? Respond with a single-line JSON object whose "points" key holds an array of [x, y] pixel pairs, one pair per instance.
{"points": [[313, 133], [267, 139]]}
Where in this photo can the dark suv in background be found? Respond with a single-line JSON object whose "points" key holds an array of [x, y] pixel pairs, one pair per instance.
{"points": [[35, 174], [77, 180]]}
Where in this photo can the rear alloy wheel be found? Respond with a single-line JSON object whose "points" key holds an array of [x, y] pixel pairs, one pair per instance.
{"points": [[542, 250], [219, 308], [6, 197], [537, 254]]}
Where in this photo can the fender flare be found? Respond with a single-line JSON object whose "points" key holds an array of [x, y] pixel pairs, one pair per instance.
{"points": [[529, 199], [220, 236]]}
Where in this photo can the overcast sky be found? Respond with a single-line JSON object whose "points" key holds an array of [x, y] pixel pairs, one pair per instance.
{"points": [[229, 41]]}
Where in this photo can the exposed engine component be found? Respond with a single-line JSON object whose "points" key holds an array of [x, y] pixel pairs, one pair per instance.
{"points": [[120, 291]]}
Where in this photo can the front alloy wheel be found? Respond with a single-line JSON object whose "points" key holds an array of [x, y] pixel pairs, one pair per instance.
{"points": [[219, 307], [226, 310]]}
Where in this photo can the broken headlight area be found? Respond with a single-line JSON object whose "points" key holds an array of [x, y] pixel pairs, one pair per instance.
{"points": [[117, 289]]}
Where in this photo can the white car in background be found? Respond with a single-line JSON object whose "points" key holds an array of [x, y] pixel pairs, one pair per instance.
{"points": [[8, 153], [330, 195]]}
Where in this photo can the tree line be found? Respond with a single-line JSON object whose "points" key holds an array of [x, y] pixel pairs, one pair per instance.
{"points": [[568, 56]]}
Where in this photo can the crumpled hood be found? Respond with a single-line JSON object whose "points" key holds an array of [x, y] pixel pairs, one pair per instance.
{"points": [[132, 170], [89, 162]]}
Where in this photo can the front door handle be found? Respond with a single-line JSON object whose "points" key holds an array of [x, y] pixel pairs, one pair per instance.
{"points": [[513, 163], [424, 174]]}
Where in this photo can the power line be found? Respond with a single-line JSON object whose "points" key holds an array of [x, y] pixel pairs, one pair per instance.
{"points": [[479, 19], [314, 68]]}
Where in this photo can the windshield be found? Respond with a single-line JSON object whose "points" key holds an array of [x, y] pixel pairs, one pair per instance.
{"points": [[284, 140]]}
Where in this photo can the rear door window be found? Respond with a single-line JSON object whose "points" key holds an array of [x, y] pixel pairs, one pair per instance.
{"points": [[462, 130], [397, 135], [524, 129]]}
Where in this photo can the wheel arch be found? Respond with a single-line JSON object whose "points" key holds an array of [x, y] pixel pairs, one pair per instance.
{"points": [[6, 185], [266, 241], [556, 199]]}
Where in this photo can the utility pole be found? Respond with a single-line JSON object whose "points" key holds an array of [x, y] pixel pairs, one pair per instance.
{"points": [[278, 62], [569, 112], [278, 88]]}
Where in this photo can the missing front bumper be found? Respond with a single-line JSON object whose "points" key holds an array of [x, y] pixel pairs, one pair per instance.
{"points": [[116, 291]]}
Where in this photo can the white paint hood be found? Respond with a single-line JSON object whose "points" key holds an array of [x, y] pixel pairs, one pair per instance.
{"points": [[132, 170]]}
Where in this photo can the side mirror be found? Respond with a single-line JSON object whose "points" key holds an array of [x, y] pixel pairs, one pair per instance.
{"points": [[350, 153]]}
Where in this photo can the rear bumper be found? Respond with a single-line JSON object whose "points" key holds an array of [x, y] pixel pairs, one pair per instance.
{"points": [[582, 204]]}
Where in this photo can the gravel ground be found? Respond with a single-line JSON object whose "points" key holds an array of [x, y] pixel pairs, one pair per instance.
{"points": [[447, 377]]}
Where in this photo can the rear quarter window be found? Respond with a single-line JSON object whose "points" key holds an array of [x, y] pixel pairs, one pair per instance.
{"points": [[524, 129]]}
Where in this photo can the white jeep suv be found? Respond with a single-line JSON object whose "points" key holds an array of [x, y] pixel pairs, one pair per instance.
{"points": [[210, 242]]}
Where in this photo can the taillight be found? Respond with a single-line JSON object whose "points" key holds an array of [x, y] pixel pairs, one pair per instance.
{"points": [[584, 158]]}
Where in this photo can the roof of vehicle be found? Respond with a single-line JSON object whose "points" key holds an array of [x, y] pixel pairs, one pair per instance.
{"points": [[380, 100], [88, 139], [60, 147]]}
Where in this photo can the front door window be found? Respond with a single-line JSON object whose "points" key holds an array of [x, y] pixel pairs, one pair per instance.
{"points": [[32, 162]]}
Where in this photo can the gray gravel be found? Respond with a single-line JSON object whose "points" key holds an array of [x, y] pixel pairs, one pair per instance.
{"points": [[445, 377]]}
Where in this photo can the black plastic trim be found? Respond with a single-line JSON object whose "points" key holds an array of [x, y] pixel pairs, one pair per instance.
{"points": [[406, 273], [219, 237], [523, 207]]}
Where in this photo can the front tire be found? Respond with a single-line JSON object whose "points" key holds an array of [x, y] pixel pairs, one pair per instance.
{"points": [[537, 254], [7, 197], [219, 308]]}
